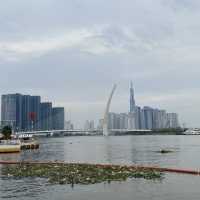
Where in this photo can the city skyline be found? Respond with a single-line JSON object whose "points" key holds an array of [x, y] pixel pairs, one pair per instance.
{"points": [[74, 61], [137, 118], [131, 105], [99, 99], [29, 113]]}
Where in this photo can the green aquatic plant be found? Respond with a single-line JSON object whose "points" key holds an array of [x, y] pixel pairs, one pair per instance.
{"points": [[79, 173]]}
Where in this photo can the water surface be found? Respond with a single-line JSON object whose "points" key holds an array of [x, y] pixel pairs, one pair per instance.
{"points": [[117, 150]]}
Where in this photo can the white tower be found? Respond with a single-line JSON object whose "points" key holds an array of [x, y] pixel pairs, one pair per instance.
{"points": [[105, 120]]}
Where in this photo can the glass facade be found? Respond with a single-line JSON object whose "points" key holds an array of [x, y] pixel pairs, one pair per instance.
{"points": [[11, 106], [30, 106], [58, 116], [46, 116], [26, 113]]}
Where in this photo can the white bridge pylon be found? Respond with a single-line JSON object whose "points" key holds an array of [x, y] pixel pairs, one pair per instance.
{"points": [[105, 119]]}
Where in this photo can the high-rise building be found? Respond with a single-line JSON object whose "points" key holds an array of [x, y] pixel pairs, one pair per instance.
{"points": [[131, 121], [27, 113], [58, 118], [111, 120], [163, 118], [137, 117], [34, 114], [16, 111], [148, 118], [89, 125], [100, 124], [123, 120], [156, 119], [69, 125], [132, 99], [172, 120], [31, 112], [26, 125], [141, 118], [117, 121], [11, 110], [46, 116]]}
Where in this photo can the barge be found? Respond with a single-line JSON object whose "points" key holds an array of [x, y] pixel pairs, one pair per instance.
{"points": [[10, 146]]}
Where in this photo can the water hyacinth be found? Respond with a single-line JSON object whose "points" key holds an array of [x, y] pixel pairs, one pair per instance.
{"points": [[78, 173]]}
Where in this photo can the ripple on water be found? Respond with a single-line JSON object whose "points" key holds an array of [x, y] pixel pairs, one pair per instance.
{"points": [[22, 188]]}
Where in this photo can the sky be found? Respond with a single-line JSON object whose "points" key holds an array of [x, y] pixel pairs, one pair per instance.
{"points": [[71, 52]]}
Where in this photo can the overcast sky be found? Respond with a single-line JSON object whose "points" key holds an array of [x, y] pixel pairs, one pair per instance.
{"points": [[71, 52]]}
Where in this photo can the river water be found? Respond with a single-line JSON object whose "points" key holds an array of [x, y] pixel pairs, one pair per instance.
{"points": [[117, 150]]}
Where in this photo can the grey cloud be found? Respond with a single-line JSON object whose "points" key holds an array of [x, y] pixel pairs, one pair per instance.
{"points": [[72, 52]]}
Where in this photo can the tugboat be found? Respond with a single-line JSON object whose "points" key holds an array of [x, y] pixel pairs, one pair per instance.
{"points": [[28, 142]]}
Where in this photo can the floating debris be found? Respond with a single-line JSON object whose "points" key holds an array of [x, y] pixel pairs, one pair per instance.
{"points": [[163, 151], [78, 173]]}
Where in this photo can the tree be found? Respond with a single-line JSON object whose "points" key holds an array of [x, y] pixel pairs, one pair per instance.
{"points": [[7, 132]]}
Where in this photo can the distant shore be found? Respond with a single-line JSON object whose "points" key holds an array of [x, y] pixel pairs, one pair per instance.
{"points": [[124, 133]]}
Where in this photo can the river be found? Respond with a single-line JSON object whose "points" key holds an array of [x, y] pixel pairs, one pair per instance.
{"points": [[117, 150]]}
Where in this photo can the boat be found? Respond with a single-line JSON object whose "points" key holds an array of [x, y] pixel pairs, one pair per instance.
{"points": [[10, 146], [194, 131], [28, 142]]}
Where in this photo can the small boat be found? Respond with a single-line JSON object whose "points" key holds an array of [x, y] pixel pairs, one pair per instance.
{"points": [[10, 146], [28, 142], [194, 131]]}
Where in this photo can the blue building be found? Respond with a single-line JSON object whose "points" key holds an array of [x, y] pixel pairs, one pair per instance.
{"points": [[46, 116], [31, 112], [11, 107], [146, 118], [58, 118], [27, 113]]}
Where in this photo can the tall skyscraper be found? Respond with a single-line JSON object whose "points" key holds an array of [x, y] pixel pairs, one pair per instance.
{"points": [[141, 118], [148, 118], [22, 112], [172, 120], [31, 112], [137, 117], [123, 121], [58, 118], [100, 124], [46, 116], [89, 125], [131, 121], [27, 113], [11, 110], [132, 99]]}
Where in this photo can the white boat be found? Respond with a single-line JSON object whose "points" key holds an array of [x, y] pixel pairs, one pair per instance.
{"points": [[10, 146], [28, 142], [194, 131]]}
